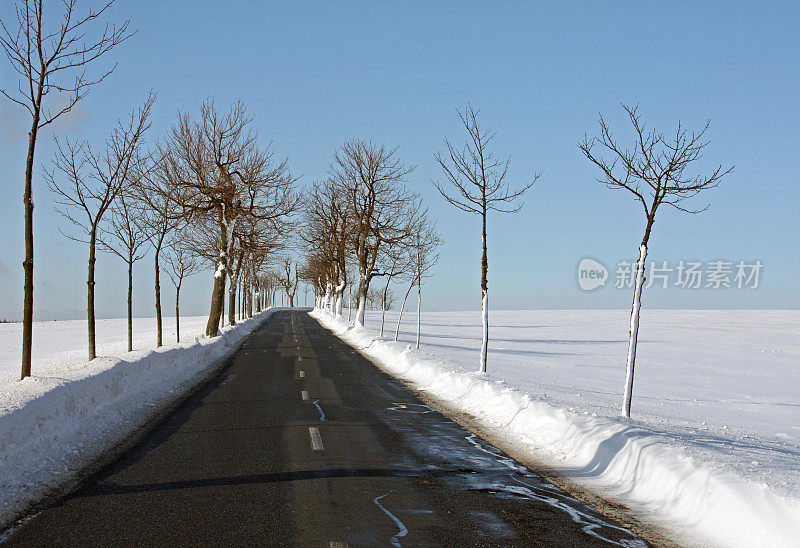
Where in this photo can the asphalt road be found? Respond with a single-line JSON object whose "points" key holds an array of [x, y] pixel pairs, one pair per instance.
{"points": [[301, 440]]}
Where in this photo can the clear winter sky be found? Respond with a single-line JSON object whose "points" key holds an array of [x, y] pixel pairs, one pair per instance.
{"points": [[316, 74]]}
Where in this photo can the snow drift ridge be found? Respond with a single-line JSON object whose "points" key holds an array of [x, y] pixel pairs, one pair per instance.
{"points": [[53, 427], [626, 462]]}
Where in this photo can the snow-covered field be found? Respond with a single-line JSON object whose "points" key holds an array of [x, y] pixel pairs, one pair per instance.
{"points": [[57, 421], [58, 346], [713, 449]]}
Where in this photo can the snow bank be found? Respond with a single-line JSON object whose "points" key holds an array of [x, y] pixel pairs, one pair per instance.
{"points": [[52, 427], [638, 465]]}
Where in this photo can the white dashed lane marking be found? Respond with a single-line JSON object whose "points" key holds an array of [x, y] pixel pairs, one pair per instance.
{"points": [[316, 439]]}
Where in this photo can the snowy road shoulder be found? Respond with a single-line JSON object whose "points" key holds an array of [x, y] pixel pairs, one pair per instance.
{"points": [[53, 427], [624, 461]]}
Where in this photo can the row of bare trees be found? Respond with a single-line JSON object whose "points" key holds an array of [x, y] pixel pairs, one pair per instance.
{"points": [[362, 218], [91, 182], [235, 188], [363, 223], [208, 193], [52, 54]]}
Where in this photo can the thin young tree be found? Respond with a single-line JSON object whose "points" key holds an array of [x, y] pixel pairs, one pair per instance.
{"points": [[159, 215], [424, 258], [477, 185], [51, 55], [126, 237], [654, 170], [396, 264], [86, 183], [181, 263], [412, 281]]}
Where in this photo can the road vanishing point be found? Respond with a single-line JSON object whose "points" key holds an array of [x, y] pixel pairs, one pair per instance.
{"points": [[300, 440]]}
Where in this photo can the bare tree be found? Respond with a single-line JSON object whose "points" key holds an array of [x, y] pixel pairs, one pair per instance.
{"points": [[375, 299], [50, 59], [257, 241], [270, 283], [371, 178], [289, 281], [424, 258], [326, 232], [159, 215], [654, 171], [387, 300], [314, 272], [92, 183], [181, 263], [126, 238], [421, 257], [478, 179], [396, 264], [220, 171]]}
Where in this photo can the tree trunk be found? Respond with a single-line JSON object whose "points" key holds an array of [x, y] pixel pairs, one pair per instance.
{"points": [[90, 295], [402, 307], [222, 311], [339, 304], [217, 296], [178, 312], [361, 299], [484, 300], [232, 301], [383, 304], [419, 311], [27, 264], [130, 305], [350, 306], [159, 324], [634, 330]]}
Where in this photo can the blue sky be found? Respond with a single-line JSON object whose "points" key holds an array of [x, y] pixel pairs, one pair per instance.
{"points": [[315, 74]]}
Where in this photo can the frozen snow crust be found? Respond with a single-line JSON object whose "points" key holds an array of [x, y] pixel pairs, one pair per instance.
{"points": [[636, 465], [52, 427]]}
